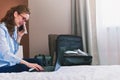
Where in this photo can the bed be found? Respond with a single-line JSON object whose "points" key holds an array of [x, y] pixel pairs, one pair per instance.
{"points": [[104, 72]]}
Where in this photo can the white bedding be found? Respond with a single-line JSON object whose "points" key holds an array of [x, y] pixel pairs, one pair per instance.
{"points": [[106, 72]]}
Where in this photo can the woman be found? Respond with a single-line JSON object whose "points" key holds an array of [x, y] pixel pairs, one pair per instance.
{"points": [[10, 38]]}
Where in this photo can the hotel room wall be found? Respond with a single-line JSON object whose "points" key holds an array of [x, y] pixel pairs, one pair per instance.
{"points": [[47, 17]]}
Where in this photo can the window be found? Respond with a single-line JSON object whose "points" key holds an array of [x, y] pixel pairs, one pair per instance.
{"points": [[108, 12]]}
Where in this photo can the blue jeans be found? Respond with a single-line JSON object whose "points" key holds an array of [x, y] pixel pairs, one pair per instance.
{"points": [[19, 67]]}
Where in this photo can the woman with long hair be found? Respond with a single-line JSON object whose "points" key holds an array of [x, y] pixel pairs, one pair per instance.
{"points": [[10, 37]]}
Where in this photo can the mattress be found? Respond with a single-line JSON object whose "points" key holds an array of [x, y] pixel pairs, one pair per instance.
{"points": [[103, 72]]}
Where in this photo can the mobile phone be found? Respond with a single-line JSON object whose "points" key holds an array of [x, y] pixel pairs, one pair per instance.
{"points": [[23, 27]]}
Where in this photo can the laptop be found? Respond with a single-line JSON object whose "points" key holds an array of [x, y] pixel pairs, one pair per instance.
{"points": [[55, 67]]}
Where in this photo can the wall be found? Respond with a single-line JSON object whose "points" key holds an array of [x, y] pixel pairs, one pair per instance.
{"points": [[7, 4], [47, 17]]}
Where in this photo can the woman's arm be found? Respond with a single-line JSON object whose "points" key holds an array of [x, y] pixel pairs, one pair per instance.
{"points": [[6, 48], [9, 57]]}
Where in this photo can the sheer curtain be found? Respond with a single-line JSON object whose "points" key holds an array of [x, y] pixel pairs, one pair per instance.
{"points": [[108, 31], [82, 25]]}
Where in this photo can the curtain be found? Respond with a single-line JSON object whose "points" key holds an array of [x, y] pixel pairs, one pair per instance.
{"points": [[82, 26], [108, 31]]}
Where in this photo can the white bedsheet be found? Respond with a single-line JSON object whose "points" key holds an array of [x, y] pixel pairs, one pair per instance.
{"points": [[104, 72]]}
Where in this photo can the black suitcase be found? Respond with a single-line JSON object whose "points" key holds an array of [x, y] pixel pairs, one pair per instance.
{"points": [[71, 42]]}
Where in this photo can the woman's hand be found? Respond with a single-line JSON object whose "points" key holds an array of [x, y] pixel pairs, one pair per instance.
{"points": [[32, 65], [21, 32], [35, 66]]}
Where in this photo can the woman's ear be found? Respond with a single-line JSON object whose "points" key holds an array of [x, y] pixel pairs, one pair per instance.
{"points": [[15, 14]]}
